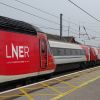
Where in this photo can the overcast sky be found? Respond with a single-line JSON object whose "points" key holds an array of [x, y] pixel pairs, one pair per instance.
{"points": [[73, 16]]}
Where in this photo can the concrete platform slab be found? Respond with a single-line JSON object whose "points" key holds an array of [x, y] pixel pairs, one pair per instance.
{"points": [[89, 92]]}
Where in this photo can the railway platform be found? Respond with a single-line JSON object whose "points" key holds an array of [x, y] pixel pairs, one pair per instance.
{"points": [[82, 85]]}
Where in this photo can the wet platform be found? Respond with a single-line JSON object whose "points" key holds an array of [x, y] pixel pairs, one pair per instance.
{"points": [[83, 85]]}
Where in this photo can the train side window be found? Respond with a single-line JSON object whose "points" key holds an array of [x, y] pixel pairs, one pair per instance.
{"points": [[49, 49], [54, 51], [73, 51], [78, 52], [61, 51], [57, 51], [83, 52], [67, 52], [70, 51], [43, 46]]}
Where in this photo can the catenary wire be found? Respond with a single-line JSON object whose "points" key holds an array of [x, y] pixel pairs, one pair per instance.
{"points": [[84, 11], [43, 11], [46, 13], [32, 15], [29, 13]]}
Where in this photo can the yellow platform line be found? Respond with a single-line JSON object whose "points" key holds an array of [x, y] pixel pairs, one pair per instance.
{"points": [[67, 83], [52, 88], [26, 94], [76, 88], [7, 96], [33, 88], [61, 87], [45, 94]]}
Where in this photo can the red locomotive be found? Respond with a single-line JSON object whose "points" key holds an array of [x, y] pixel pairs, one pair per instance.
{"points": [[24, 52]]}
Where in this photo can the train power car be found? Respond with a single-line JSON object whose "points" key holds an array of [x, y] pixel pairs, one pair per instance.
{"points": [[24, 51]]}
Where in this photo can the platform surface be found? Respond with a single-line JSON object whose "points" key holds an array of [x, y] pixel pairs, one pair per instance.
{"points": [[89, 92], [85, 86]]}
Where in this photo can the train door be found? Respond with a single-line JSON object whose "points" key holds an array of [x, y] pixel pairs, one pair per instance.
{"points": [[43, 54]]}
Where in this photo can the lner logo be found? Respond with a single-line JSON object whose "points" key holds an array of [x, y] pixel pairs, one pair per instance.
{"points": [[17, 51]]}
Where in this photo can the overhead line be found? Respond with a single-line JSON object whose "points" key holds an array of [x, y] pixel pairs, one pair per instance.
{"points": [[36, 15], [37, 9], [42, 11], [48, 28], [84, 11], [51, 28], [29, 13], [46, 12], [45, 27]]}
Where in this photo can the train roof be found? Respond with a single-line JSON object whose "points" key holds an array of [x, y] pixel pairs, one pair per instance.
{"points": [[61, 44], [68, 39], [17, 26]]}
